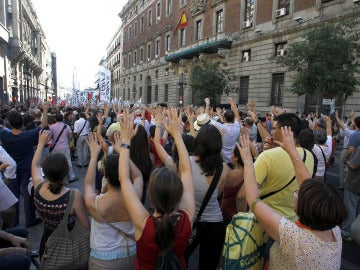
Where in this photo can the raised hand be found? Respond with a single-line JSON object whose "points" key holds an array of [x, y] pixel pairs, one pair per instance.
{"points": [[93, 144], [244, 149], [44, 137], [288, 142], [173, 126], [127, 127]]}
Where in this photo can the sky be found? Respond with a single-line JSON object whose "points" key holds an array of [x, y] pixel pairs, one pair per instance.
{"points": [[78, 31]]}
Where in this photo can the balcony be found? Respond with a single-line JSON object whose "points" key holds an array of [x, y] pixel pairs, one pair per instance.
{"points": [[209, 45]]}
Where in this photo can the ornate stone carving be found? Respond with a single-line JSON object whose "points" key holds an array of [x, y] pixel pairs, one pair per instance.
{"points": [[197, 7]]}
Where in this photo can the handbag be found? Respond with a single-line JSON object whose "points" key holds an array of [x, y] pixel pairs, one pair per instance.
{"points": [[204, 203], [64, 249], [244, 244], [57, 139]]}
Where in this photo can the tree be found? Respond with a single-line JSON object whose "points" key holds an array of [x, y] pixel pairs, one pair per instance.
{"points": [[326, 61], [208, 79]]}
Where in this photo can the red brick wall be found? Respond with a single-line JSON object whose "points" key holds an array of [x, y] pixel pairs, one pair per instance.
{"points": [[264, 11], [303, 4]]}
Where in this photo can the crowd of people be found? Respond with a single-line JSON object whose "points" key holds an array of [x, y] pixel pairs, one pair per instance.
{"points": [[164, 182]]}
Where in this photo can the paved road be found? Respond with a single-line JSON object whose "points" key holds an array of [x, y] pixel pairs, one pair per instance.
{"points": [[351, 251]]}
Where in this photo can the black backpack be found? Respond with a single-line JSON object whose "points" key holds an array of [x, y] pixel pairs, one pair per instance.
{"points": [[168, 262]]}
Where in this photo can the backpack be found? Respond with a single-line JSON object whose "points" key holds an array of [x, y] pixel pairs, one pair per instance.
{"points": [[168, 262]]}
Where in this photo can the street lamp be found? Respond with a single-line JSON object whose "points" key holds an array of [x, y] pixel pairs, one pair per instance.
{"points": [[27, 78], [181, 84]]}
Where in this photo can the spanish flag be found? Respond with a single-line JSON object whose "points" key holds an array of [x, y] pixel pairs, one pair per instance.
{"points": [[181, 23]]}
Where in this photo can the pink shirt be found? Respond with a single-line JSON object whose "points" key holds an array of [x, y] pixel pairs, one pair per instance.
{"points": [[63, 140]]}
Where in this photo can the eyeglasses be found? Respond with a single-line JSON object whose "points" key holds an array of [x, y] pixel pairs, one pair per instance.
{"points": [[296, 194]]}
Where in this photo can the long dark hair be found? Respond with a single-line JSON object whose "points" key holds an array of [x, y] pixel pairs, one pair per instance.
{"points": [[165, 191], [207, 147]]}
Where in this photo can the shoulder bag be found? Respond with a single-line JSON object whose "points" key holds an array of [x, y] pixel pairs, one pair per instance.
{"points": [[57, 139], [204, 203], [64, 249], [77, 136]]}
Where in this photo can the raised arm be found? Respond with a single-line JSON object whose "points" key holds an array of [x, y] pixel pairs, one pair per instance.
{"points": [[89, 180], [136, 209], [163, 155], [234, 109], [174, 128], [37, 178], [44, 119], [191, 118], [268, 217], [328, 126], [338, 120], [262, 131]]}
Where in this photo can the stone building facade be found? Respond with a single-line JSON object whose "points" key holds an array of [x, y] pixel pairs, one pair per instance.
{"points": [[245, 36], [28, 68]]}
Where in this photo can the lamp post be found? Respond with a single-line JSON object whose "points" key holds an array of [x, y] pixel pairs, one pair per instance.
{"points": [[181, 84], [27, 78]]}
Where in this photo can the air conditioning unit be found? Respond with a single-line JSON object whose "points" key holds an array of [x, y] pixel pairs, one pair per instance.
{"points": [[141, 62], [158, 18], [9, 8], [280, 12], [156, 56], [280, 52], [166, 52], [247, 24], [166, 73], [148, 59], [246, 57]]}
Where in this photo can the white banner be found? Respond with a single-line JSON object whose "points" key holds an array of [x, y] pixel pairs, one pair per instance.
{"points": [[105, 84]]}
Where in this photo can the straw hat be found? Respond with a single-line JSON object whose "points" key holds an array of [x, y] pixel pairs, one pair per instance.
{"points": [[201, 120]]}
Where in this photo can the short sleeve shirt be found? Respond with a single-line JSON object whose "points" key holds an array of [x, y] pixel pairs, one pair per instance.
{"points": [[20, 147], [301, 249]]}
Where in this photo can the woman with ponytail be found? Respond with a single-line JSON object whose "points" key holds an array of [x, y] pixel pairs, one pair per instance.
{"points": [[51, 196], [163, 236]]}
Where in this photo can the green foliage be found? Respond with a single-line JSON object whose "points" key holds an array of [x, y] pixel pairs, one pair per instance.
{"points": [[209, 80], [326, 62]]}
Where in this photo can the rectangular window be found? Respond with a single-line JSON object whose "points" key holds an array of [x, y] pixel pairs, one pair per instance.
{"points": [[129, 60], [198, 30], [148, 54], [156, 92], [249, 13], [183, 3], [157, 49], [140, 91], [166, 92], [130, 30], [142, 25], [166, 71], [182, 37], [135, 29], [283, 8], [135, 58], [168, 43], [280, 49], [158, 12], [219, 21], [244, 90], [140, 77], [125, 36], [246, 55], [149, 18], [128, 93], [156, 74], [141, 54], [277, 86], [168, 7]]}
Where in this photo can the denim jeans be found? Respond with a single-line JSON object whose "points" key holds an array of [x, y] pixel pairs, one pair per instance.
{"points": [[14, 261], [352, 203], [20, 186]]}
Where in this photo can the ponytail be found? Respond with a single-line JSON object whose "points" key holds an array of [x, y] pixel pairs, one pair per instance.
{"points": [[165, 232], [55, 187]]}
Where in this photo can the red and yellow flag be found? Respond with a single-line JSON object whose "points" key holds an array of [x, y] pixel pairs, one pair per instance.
{"points": [[181, 23]]}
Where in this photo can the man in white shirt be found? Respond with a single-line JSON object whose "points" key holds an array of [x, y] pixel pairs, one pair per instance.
{"points": [[82, 129]]}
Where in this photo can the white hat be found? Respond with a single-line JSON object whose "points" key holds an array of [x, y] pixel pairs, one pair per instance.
{"points": [[201, 120]]}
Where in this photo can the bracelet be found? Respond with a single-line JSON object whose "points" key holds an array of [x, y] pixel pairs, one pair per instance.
{"points": [[253, 204], [125, 145]]}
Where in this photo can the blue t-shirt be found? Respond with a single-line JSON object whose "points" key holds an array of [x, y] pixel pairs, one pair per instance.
{"points": [[354, 139], [20, 147]]}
